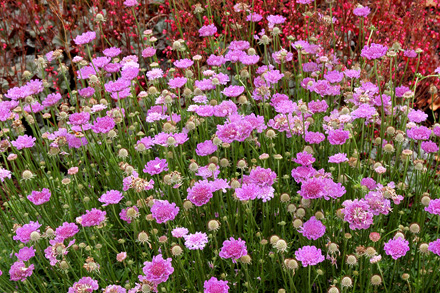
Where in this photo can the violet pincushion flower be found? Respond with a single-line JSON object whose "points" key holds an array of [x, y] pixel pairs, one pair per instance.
{"points": [[19, 271], [123, 214], [262, 177], [312, 229], [156, 166], [215, 286], [338, 158], [164, 211], [26, 253], [111, 197], [309, 255], [155, 73], [85, 38], [233, 249], [364, 111], [433, 207], [370, 183], [66, 231], [93, 217], [195, 241], [374, 51], [434, 247], [207, 30], [179, 232], [397, 247], [158, 269], [24, 141], [206, 148], [357, 213], [85, 284], [39, 197], [23, 233]]}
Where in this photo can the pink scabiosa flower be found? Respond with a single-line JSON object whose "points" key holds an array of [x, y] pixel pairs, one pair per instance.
{"points": [[338, 136], [417, 116], [374, 51], [26, 253], [158, 269], [334, 76], [85, 38], [397, 247], [164, 211], [206, 148], [233, 249], [314, 137], [200, 193], [338, 158], [155, 73], [275, 19], [65, 231], [114, 289], [429, 147], [419, 133], [215, 286], [51, 99], [233, 91], [23, 233], [309, 255], [262, 177], [239, 45], [357, 213], [93, 217], [195, 241], [183, 63], [304, 159], [364, 111], [410, 53], [24, 141], [111, 197], [148, 52], [156, 166], [433, 207], [207, 30], [85, 284], [313, 188], [370, 183], [120, 257], [127, 218], [4, 174], [254, 17], [312, 229], [39, 197], [361, 11], [103, 124], [112, 52], [247, 192], [400, 90], [177, 82], [179, 232], [434, 247], [19, 271], [131, 3]]}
